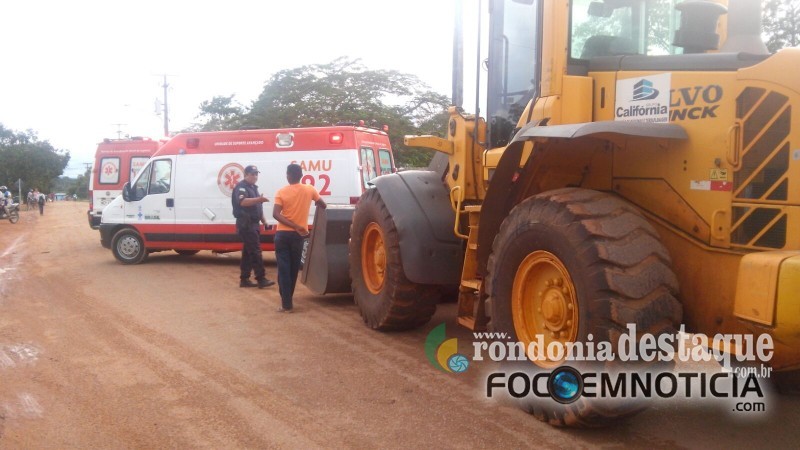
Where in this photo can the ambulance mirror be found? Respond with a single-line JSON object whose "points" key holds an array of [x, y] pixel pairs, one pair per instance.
{"points": [[126, 192]]}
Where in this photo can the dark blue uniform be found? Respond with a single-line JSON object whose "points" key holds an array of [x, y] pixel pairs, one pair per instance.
{"points": [[248, 227]]}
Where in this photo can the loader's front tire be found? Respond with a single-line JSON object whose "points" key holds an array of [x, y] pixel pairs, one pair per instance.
{"points": [[574, 263], [386, 299]]}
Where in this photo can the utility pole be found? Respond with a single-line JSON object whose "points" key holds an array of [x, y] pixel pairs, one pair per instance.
{"points": [[166, 110]]}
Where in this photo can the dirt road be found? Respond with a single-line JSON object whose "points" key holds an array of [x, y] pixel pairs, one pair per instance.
{"points": [[172, 353]]}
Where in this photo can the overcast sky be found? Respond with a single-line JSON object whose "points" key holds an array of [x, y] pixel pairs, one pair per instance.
{"points": [[73, 70]]}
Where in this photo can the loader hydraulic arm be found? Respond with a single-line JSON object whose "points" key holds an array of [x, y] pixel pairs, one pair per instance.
{"points": [[464, 148]]}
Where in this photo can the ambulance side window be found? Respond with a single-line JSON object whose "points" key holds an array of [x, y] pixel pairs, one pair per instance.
{"points": [[140, 188], [368, 166], [160, 177], [109, 171], [385, 160]]}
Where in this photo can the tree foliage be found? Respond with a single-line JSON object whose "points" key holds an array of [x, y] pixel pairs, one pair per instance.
{"points": [[73, 186], [340, 91], [221, 113], [781, 23], [23, 156]]}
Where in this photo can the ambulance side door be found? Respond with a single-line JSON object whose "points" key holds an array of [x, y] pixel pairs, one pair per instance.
{"points": [[152, 205]]}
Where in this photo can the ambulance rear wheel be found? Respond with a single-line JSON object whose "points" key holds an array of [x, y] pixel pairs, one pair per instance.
{"points": [[575, 266], [386, 299], [128, 247]]}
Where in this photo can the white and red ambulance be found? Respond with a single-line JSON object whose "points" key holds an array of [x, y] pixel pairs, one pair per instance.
{"points": [[116, 162], [181, 199]]}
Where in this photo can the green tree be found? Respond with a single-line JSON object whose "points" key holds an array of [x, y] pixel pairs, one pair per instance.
{"points": [[220, 113], [781, 23], [340, 91], [24, 156], [80, 186]]}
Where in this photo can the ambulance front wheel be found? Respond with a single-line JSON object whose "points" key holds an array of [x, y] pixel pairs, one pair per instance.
{"points": [[128, 247]]}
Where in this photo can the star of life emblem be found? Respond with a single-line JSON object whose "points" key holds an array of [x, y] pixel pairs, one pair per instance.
{"points": [[229, 176]]}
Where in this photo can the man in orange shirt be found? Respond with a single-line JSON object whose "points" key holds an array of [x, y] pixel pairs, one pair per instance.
{"points": [[292, 204]]}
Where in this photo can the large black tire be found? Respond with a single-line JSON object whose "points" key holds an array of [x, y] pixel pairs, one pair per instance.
{"points": [[128, 247], [619, 273], [13, 217], [395, 303]]}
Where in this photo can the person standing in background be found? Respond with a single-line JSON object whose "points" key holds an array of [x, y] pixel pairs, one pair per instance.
{"points": [[41, 199]]}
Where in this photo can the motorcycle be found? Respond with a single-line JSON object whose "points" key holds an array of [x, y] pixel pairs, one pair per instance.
{"points": [[10, 212]]}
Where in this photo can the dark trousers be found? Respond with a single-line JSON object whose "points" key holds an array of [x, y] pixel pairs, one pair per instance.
{"points": [[41, 208], [288, 249], [251, 252]]}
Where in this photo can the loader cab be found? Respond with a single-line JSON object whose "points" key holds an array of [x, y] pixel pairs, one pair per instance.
{"points": [[526, 40], [622, 27], [514, 69]]}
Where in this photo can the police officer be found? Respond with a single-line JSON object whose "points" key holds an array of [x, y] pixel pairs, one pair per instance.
{"points": [[248, 210]]}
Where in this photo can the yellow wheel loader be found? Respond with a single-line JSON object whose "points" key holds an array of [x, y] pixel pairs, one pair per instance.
{"points": [[639, 164]]}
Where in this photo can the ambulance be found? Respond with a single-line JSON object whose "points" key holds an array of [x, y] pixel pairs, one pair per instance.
{"points": [[181, 199], [116, 162]]}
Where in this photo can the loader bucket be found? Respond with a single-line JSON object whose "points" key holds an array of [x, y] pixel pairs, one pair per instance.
{"points": [[326, 270]]}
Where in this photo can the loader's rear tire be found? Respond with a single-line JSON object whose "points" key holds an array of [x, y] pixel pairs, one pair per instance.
{"points": [[13, 217], [386, 298], [571, 263]]}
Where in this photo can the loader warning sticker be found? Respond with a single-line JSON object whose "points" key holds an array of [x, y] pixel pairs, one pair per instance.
{"points": [[229, 176], [718, 175], [643, 99], [710, 185]]}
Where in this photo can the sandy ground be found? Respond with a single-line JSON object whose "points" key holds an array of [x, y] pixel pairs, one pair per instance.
{"points": [[171, 353]]}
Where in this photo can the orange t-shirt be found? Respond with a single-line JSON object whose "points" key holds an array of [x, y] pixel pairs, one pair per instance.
{"points": [[296, 202]]}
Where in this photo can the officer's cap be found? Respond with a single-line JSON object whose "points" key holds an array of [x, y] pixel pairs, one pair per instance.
{"points": [[250, 169]]}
